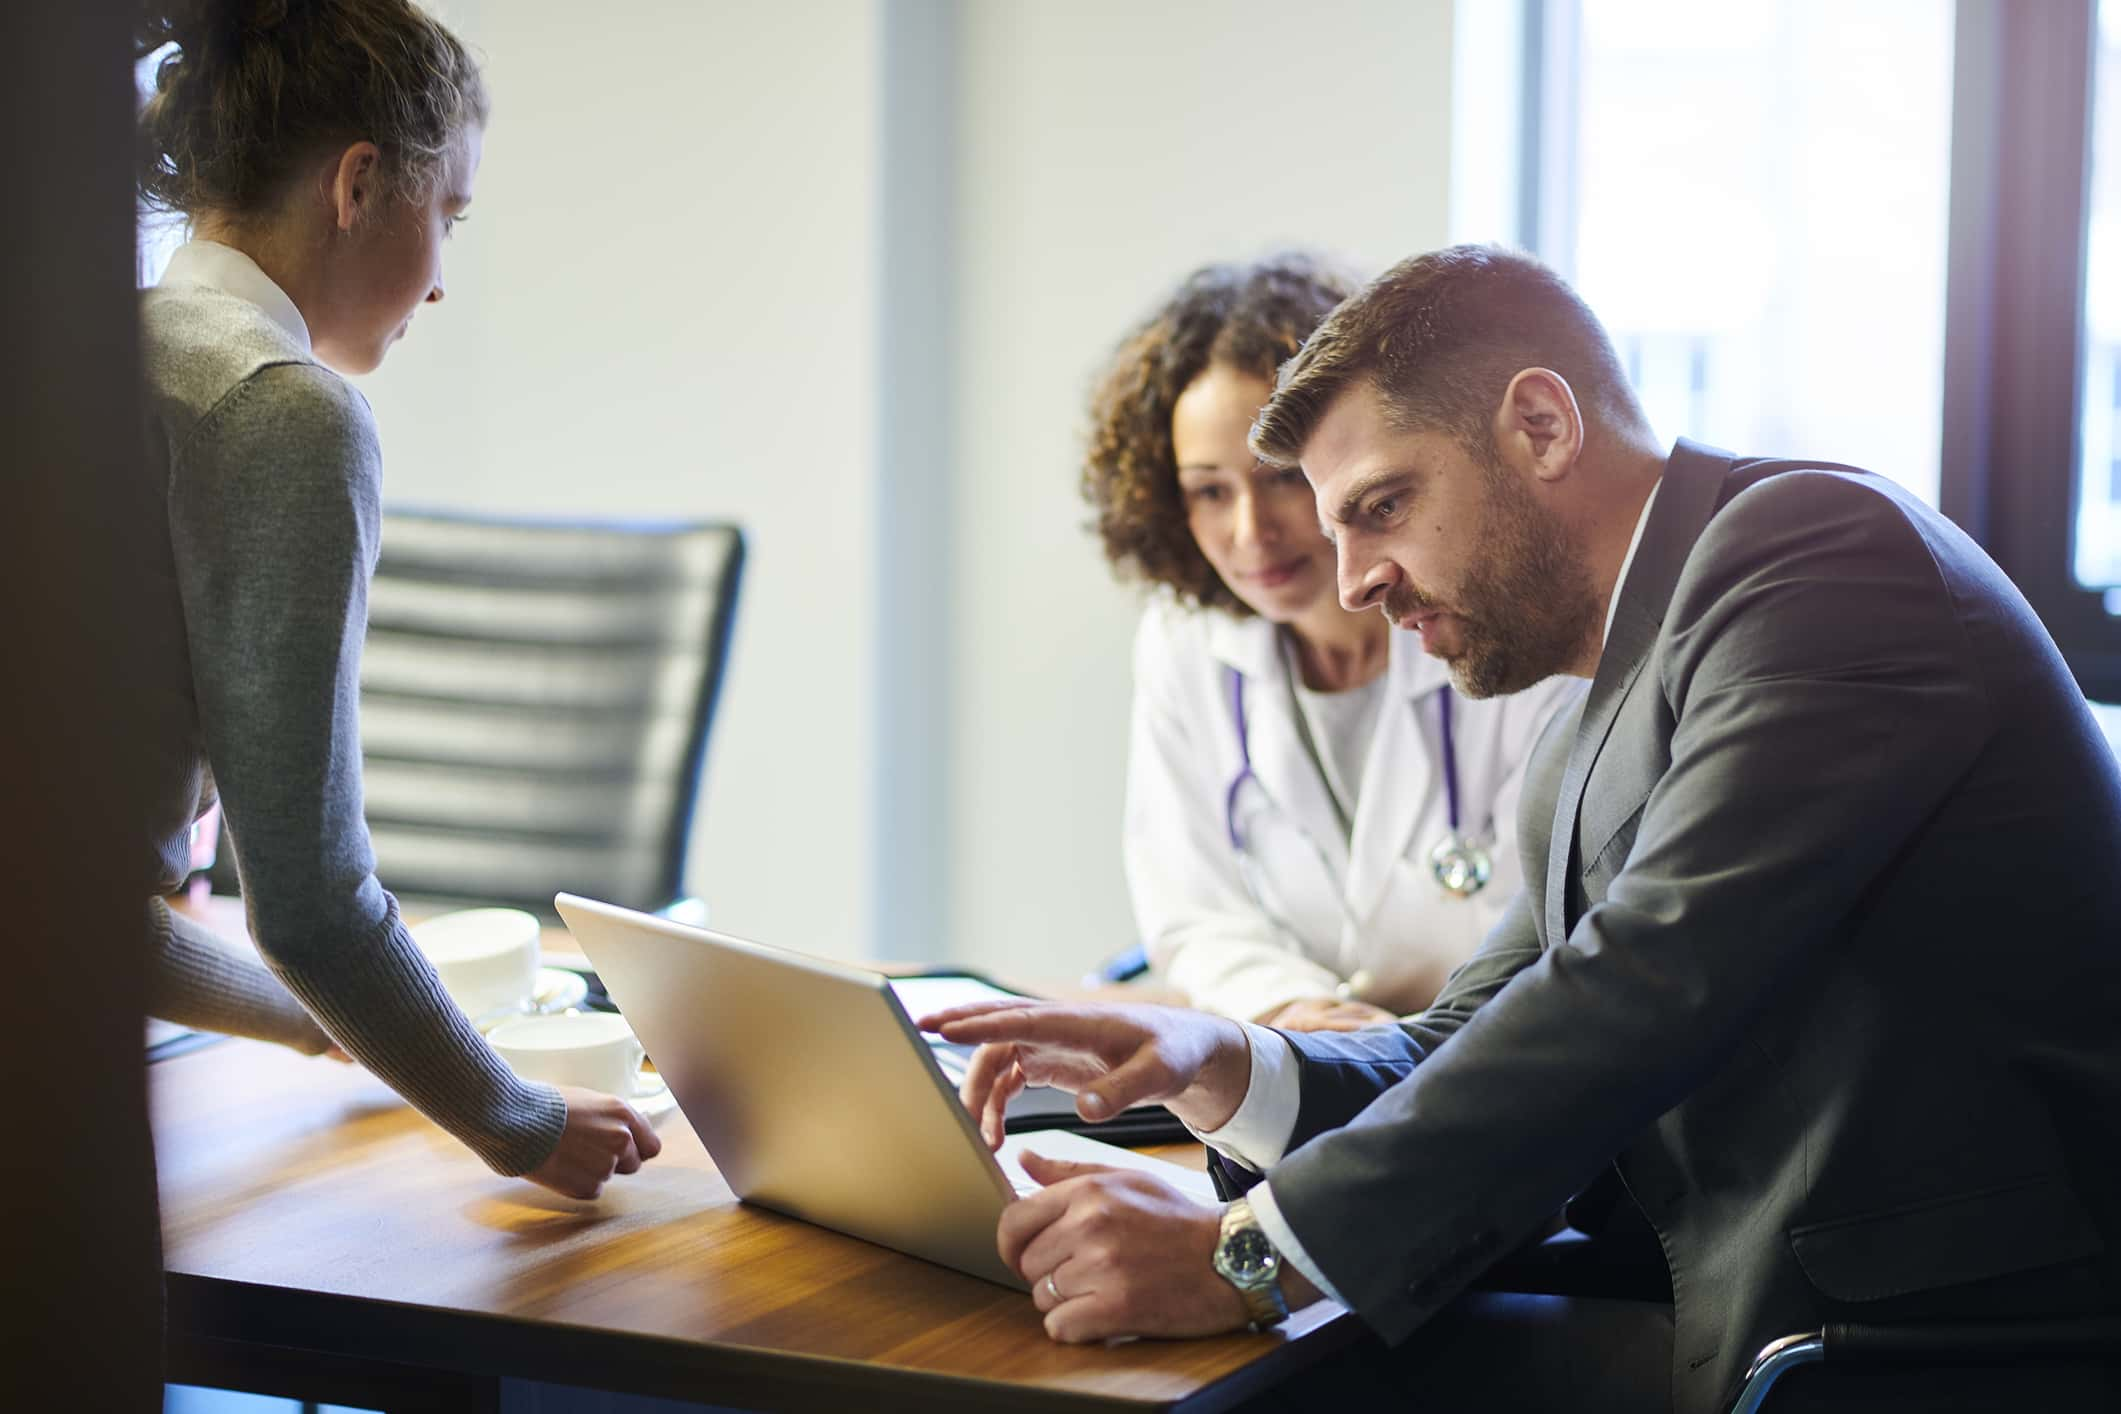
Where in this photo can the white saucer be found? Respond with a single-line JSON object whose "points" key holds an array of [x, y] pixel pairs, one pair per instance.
{"points": [[558, 989], [654, 1107]]}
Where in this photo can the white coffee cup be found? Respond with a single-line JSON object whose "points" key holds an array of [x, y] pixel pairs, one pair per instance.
{"points": [[487, 958], [593, 1049]]}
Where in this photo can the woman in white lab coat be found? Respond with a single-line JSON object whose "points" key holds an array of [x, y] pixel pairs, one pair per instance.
{"points": [[1318, 827]]}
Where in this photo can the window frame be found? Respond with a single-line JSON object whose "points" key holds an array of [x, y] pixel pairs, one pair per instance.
{"points": [[2014, 321], [2014, 330]]}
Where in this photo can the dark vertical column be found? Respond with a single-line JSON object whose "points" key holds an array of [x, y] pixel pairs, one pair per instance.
{"points": [[2014, 309], [81, 1252], [917, 366]]}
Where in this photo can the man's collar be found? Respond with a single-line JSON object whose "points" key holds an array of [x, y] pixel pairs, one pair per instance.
{"points": [[1634, 543], [1687, 495], [213, 266]]}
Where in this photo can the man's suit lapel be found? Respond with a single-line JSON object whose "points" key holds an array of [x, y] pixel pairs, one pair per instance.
{"points": [[1692, 486]]}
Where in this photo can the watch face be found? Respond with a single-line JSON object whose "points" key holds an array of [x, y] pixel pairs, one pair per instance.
{"points": [[1248, 1253]]}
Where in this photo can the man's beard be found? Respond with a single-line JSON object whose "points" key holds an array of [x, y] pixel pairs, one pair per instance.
{"points": [[1526, 608]]}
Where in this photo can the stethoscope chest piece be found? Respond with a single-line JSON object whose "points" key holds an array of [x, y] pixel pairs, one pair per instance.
{"points": [[1462, 869]]}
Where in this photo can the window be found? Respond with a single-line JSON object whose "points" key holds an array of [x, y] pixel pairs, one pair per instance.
{"points": [[1886, 233], [2097, 531], [2032, 385], [1756, 207]]}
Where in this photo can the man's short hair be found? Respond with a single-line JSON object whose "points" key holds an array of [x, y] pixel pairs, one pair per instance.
{"points": [[1440, 336]]}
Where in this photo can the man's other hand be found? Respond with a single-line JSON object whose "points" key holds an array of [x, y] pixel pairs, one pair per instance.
{"points": [[1117, 1252]]}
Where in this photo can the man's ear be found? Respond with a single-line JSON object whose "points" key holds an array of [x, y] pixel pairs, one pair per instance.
{"points": [[1538, 427], [354, 184]]}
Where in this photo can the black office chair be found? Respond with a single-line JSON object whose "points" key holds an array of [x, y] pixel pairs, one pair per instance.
{"points": [[2086, 1340], [535, 703]]}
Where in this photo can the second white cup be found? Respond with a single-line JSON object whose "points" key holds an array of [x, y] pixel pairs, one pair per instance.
{"points": [[593, 1049], [487, 958]]}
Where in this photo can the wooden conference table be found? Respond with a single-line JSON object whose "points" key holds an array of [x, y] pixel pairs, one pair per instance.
{"points": [[324, 1241]]}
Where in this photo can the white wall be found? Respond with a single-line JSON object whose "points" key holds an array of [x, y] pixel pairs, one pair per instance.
{"points": [[692, 222], [1106, 148], [663, 305], [843, 270]]}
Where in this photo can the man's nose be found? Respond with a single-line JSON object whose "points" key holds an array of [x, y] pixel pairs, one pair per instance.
{"points": [[1363, 579]]}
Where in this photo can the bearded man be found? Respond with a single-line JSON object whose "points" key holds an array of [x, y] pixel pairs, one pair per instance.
{"points": [[1821, 953]]}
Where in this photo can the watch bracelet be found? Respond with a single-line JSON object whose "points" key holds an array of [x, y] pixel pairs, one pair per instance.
{"points": [[1265, 1306]]}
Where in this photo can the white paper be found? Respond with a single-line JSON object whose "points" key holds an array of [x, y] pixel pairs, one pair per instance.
{"points": [[923, 995], [1078, 1148]]}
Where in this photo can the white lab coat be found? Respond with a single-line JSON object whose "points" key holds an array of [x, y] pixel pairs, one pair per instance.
{"points": [[1332, 906]]}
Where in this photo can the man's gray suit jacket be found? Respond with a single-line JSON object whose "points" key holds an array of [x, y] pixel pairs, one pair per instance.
{"points": [[1827, 961]]}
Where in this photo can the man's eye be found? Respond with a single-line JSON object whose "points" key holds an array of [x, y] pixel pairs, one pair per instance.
{"points": [[1385, 508], [1290, 476]]}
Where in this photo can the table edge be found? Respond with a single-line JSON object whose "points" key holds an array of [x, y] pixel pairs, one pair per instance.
{"points": [[448, 1340]]}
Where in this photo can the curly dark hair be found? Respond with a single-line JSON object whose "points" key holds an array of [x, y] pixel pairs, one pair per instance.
{"points": [[1247, 317], [253, 88]]}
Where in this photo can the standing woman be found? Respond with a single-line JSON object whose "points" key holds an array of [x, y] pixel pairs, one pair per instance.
{"points": [[1318, 827], [321, 150]]}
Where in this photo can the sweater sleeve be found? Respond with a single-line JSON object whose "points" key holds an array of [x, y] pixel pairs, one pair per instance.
{"points": [[198, 979], [274, 518]]}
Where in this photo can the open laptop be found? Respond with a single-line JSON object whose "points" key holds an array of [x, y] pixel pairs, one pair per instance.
{"points": [[815, 1094]]}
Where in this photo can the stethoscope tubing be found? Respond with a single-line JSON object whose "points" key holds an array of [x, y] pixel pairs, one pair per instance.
{"points": [[1450, 761], [1464, 861], [1244, 752], [1246, 773]]}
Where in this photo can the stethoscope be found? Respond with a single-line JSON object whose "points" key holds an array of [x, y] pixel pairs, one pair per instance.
{"points": [[1461, 867]]}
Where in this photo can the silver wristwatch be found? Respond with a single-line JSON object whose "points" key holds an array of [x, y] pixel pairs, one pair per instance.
{"points": [[1246, 1259]]}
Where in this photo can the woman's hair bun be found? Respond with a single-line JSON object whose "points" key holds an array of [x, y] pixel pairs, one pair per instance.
{"points": [[200, 28], [253, 88], [178, 22]]}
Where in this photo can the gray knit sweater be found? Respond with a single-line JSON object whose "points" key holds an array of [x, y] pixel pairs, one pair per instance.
{"points": [[272, 471]]}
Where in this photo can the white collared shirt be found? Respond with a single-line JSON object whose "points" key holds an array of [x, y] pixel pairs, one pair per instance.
{"points": [[1628, 562], [213, 266], [1257, 1135]]}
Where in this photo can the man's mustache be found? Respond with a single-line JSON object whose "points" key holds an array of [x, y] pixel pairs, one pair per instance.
{"points": [[1405, 601]]}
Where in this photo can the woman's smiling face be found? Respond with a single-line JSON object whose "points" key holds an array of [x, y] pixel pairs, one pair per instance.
{"points": [[1256, 525]]}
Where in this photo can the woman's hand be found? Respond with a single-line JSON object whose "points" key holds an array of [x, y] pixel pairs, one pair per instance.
{"points": [[1326, 1014], [604, 1135]]}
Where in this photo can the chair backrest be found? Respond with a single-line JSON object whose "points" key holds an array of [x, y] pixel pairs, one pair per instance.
{"points": [[535, 701]]}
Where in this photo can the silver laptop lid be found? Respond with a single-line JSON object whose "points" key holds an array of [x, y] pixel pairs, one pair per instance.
{"points": [[810, 1087]]}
